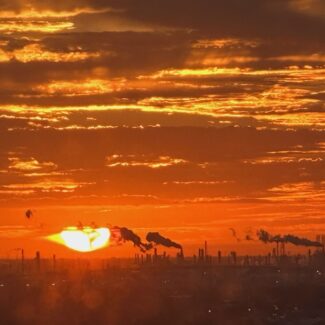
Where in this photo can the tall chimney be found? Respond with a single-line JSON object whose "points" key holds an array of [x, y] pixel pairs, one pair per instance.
{"points": [[38, 261], [22, 260], [181, 254], [54, 262], [219, 257], [234, 257]]}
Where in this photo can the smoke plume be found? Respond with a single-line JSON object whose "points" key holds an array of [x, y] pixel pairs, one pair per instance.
{"points": [[123, 234], [156, 238], [266, 237], [234, 233]]}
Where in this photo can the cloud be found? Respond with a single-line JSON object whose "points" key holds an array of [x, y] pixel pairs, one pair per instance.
{"points": [[272, 19], [17, 231], [234, 171], [222, 105], [34, 52], [29, 165], [143, 161]]}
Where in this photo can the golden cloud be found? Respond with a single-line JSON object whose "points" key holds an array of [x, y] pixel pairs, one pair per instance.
{"points": [[29, 165], [142, 161], [37, 26], [34, 53]]}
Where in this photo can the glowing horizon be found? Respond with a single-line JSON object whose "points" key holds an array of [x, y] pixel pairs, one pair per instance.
{"points": [[139, 115]]}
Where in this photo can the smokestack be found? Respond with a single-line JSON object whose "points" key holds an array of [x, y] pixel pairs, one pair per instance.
{"points": [[274, 252], [155, 256], [205, 249], [23, 261], [180, 256], [54, 262], [194, 259], [219, 257], [200, 255], [148, 258], [234, 257], [38, 261]]}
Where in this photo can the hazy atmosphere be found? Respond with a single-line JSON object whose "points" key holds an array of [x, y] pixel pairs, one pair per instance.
{"points": [[185, 117]]}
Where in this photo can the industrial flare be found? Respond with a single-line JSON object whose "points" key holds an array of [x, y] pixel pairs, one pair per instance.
{"points": [[83, 239]]}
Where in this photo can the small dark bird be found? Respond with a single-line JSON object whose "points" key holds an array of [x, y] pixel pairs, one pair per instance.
{"points": [[29, 213]]}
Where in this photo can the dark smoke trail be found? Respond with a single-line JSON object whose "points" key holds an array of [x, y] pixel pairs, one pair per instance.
{"points": [[233, 231], [156, 238], [301, 241], [124, 234], [266, 237], [249, 235]]}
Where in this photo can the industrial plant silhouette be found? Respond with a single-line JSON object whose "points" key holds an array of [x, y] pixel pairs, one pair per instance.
{"points": [[159, 287]]}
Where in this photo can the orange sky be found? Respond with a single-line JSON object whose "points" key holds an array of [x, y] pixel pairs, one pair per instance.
{"points": [[176, 116]]}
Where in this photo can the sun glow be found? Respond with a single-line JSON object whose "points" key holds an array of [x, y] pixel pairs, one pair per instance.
{"points": [[84, 239]]}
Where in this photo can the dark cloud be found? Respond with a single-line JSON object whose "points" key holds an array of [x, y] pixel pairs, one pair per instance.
{"points": [[57, 6], [253, 18], [272, 53]]}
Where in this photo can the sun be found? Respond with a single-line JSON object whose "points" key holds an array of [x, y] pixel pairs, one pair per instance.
{"points": [[85, 239]]}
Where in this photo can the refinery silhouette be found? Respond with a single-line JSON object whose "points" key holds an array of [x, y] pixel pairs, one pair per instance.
{"points": [[160, 284]]}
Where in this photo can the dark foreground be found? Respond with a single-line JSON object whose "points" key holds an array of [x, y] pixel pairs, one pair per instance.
{"points": [[164, 294]]}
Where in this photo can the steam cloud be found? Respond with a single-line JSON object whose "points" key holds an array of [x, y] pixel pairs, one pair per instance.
{"points": [[266, 237], [156, 238]]}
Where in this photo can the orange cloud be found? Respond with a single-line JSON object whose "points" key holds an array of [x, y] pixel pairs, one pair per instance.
{"points": [[80, 88], [36, 13], [305, 191], [142, 161], [35, 53], [29, 165], [30, 26], [44, 186]]}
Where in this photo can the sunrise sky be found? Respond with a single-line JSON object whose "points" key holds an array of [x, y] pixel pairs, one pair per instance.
{"points": [[185, 117]]}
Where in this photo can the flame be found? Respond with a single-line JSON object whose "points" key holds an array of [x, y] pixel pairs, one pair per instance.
{"points": [[84, 239]]}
